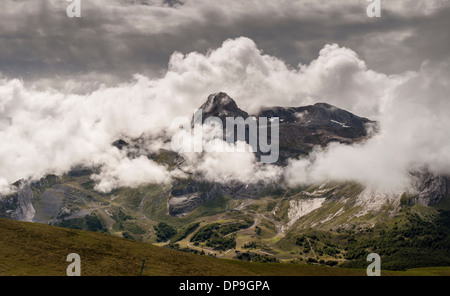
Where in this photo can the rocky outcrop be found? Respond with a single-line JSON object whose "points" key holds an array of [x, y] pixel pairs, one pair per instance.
{"points": [[25, 210], [220, 105], [347, 206], [120, 144], [302, 128], [430, 188], [372, 201], [301, 207], [186, 197]]}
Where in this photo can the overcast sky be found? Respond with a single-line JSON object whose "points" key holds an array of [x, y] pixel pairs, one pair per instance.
{"points": [[115, 39], [71, 86]]}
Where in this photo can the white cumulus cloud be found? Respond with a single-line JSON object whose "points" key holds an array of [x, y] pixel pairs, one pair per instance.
{"points": [[48, 131]]}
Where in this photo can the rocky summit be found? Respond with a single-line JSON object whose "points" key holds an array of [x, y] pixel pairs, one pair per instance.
{"points": [[222, 106], [301, 128]]}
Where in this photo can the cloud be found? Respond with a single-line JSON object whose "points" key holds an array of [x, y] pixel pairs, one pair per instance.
{"points": [[337, 76], [119, 171], [239, 165], [115, 39], [6, 188], [412, 138], [49, 131]]}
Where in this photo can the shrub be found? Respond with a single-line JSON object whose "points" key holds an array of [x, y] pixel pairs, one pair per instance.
{"points": [[164, 232]]}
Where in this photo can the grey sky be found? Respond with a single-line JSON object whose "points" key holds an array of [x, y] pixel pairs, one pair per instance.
{"points": [[115, 39]]}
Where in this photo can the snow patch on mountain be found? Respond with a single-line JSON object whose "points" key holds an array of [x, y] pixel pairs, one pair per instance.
{"points": [[340, 123]]}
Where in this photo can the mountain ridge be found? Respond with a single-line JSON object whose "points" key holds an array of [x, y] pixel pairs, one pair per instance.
{"points": [[300, 128]]}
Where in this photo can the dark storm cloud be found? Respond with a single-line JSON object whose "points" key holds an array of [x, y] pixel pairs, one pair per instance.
{"points": [[115, 39], [397, 43]]}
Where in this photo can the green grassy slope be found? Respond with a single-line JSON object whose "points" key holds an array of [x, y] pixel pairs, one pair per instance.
{"points": [[38, 249]]}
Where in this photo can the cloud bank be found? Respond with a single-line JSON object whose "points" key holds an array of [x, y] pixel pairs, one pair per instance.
{"points": [[49, 131], [412, 138]]}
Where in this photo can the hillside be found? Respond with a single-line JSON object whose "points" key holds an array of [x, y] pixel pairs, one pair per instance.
{"points": [[38, 249]]}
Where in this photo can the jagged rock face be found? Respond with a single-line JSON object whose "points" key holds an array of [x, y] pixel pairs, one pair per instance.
{"points": [[222, 106], [426, 189], [372, 201], [431, 189], [301, 207], [25, 210], [120, 144], [48, 181], [302, 128], [321, 116], [186, 198]]}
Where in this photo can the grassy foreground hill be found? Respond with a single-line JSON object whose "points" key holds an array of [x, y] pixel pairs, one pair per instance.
{"points": [[39, 249]]}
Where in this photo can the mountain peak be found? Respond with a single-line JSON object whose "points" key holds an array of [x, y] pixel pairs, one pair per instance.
{"points": [[324, 105], [216, 100], [221, 105]]}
